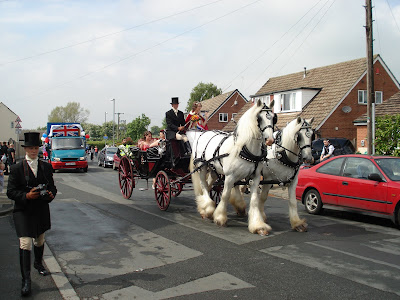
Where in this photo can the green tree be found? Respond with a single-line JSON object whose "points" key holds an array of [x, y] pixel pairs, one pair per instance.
{"points": [[164, 124], [155, 130], [387, 135], [95, 131], [201, 92], [71, 113], [137, 127]]}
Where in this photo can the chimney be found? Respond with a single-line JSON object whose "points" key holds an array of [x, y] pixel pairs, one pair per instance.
{"points": [[305, 72]]}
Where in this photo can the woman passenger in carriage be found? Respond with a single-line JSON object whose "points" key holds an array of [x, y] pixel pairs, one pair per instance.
{"points": [[147, 141], [194, 120]]}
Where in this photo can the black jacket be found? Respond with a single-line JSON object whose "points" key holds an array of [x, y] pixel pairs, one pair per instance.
{"points": [[173, 122], [31, 217]]}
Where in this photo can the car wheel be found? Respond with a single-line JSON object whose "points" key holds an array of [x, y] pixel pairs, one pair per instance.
{"points": [[312, 202], [85, 169]]}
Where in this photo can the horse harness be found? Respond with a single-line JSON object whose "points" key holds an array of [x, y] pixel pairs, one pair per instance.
{"points": [[282, 155]]}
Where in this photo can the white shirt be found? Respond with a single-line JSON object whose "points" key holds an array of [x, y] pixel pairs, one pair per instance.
{"points": [[33, 164], [175, 111]]}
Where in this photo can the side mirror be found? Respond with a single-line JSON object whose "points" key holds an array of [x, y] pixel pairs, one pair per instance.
{"points": [[375, 177]]}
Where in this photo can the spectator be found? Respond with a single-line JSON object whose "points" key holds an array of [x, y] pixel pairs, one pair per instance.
{"points": [[4, 149], [327, 151], [11, 155], [2, 167], [91, 152], [31, 187], [96, 150]]}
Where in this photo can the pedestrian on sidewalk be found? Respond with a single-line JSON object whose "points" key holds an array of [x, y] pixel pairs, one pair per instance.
{"points": [[2, 167], [31, 186], [4, 150]]}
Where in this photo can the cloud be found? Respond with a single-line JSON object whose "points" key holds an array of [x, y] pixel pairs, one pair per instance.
{"points": [[143, 67]]}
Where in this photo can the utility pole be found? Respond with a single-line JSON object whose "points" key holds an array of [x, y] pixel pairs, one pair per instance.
{"points": [[370, 75], [118, 125], [113, 100]]}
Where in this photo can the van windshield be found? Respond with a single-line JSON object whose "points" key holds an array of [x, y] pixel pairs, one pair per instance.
{"points": [[67, 143]]}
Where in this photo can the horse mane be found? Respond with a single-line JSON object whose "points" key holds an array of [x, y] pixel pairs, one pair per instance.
{"points": [[289, 131], [247, 128]]}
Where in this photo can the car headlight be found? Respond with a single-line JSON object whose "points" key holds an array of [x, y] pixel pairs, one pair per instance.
{"points": [[82, 158], [109, 158], [57, 159]]}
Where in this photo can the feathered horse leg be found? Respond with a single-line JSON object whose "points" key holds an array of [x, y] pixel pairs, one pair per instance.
{"points": [[297, 224]]}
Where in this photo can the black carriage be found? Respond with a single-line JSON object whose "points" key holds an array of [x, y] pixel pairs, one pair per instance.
{"points": [[168, 164]]}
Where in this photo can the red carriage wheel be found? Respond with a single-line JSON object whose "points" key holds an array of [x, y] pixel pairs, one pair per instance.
{"points": [[216, 193], [176, 188], [125, 177], [162, 190]]}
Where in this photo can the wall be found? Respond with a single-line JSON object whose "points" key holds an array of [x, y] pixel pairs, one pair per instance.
{"points": [[340, 124], [7, 116], [229, 107]]}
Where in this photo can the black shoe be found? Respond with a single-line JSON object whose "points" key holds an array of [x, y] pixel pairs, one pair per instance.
{"points": [[41, 269], [38, 261], [25, 263]]}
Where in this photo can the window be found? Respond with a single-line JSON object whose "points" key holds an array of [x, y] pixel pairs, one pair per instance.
{"points": [[332, 168], [363, 96], [288, 101], [359, 168], [233, 115], [223, 117], [378, 97], [12, 124]]}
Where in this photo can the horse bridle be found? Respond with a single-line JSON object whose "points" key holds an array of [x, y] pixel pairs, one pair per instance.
{"points": [[269, 117], [308, 133]]}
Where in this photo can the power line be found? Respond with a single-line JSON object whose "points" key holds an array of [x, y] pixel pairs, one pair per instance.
{"points": [[262, 73], [395, 20], [309, 34], [145, 50], [106, 35], [264, 52]]}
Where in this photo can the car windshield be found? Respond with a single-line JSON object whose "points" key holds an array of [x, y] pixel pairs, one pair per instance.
{"points": [[67, 143], [390, 166], [112, 151]]}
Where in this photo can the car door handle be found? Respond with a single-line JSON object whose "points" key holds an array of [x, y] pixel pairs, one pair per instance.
{"points": [[345, 183]]}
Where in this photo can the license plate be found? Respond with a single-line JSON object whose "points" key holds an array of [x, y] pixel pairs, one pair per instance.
{"points": [[70, 164]]}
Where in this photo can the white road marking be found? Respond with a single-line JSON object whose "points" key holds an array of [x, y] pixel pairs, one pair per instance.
{"points": [[219, 281]]}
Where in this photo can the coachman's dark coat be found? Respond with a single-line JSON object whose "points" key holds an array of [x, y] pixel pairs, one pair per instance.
{"points": [[173, 122], [31, 217]]}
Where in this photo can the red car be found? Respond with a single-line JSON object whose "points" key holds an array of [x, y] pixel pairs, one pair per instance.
{"points": [[116, 162], [359, 182]]}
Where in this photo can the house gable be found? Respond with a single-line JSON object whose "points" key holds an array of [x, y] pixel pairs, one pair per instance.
{"points": [[222, 108]]}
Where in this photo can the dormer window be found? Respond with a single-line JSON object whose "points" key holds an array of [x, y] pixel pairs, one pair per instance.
{"points": [[288, 101]]}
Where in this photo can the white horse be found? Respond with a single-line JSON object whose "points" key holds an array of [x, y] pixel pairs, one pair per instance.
{"points": [[237, 156], [292, 147]]}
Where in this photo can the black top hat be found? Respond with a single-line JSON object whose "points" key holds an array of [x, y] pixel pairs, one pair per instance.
{"points": [[175, 100], [32, 139]]}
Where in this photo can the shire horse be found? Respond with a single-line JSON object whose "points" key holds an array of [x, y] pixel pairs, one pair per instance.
{"points": [[292, 147], [236, 156]]}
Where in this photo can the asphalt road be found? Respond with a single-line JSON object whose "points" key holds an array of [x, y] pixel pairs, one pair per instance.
{"points": [[106, 247]]}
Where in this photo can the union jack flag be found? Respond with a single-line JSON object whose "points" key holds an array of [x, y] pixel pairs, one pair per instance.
{"points": [[65, 130]]}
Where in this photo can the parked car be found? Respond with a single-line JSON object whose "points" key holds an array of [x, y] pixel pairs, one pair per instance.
{"points": [[117, 160], [358, 182], [342, 146], [106, 156]]}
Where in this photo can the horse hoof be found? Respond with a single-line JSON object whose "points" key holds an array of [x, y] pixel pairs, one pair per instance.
{"points": [[262, 232], [301, 228]]}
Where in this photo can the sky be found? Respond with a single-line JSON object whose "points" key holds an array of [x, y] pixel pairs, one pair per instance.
{"points": [[143, 53]]}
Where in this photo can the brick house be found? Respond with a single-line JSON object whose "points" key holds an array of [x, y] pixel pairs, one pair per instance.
{"points": [[390, 106], [222, 108], [334, 95]]}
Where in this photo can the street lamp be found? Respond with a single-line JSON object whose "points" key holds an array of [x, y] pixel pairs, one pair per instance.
{"points": [[105, 128], [113, 100]]}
